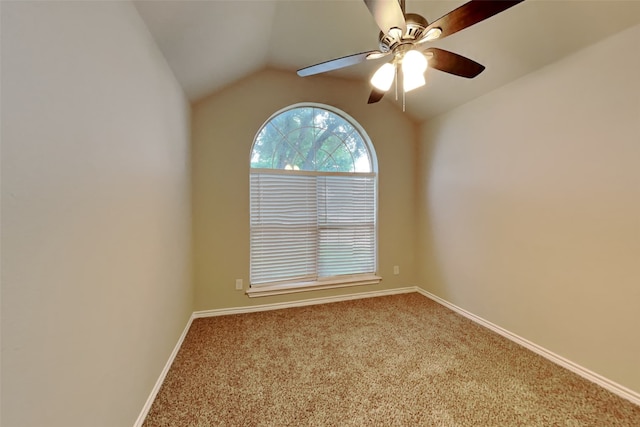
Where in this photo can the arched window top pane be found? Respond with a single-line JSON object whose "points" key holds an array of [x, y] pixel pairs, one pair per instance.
{"points": [[312, 138]]}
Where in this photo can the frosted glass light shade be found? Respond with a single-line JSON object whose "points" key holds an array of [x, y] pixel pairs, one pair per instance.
{"points": [[383, 77], [414, 64], [414, 60]]}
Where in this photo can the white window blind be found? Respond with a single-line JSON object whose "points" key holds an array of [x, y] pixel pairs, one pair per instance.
{"points": [[309, 227], [346, 225]]}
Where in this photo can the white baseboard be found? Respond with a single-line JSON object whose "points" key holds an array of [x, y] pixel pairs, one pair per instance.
{"points": [[612, 386], [163, 374]]}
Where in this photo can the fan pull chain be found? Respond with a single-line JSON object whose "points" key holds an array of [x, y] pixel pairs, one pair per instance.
{"points": [[396, 80], [404, 95]]}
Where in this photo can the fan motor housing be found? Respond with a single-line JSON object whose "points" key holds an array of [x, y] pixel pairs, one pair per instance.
{"points": [[416, 24]]}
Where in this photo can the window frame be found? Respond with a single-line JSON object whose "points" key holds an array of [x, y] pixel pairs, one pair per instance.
{"points": [[340, 281]]}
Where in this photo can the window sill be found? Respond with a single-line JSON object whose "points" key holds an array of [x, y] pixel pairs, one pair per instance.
{"points": [[290, 288]]}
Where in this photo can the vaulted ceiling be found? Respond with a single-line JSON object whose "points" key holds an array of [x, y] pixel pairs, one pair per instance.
{"points": [[211, 44]]}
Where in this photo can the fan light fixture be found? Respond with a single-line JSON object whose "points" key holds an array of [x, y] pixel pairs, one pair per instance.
{"points": [[383, 78], [403, 38], [414, 64]]}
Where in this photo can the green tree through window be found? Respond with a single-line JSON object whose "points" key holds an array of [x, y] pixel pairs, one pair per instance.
{"points": [[310, 139]]}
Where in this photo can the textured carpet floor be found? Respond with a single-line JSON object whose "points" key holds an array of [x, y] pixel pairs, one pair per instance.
{"points": [[400, 360]]}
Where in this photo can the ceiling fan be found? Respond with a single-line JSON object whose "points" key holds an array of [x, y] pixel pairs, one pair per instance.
{"points": [[404, 37]]}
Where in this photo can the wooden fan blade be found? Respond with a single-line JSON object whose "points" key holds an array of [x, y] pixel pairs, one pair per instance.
{"points": [[335, 64], [376, 95], [388, 14], [453, 63], [469, 14]]}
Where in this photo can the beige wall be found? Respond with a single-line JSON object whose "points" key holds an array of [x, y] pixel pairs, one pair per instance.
{"points": [[95, 214], [531, 207], [223, 128], [528, 206]]}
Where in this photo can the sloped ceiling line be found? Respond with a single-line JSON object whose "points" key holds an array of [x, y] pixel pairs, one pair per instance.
{"points": [[210, 44]]}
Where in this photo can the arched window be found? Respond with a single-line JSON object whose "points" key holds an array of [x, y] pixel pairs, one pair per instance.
{"points": [[313, 202]]}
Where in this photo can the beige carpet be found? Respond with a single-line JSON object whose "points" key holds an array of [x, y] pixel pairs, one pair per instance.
{"points": [[400, 360]]}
